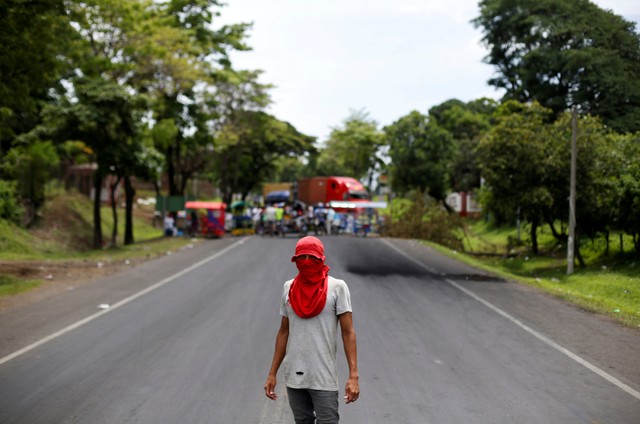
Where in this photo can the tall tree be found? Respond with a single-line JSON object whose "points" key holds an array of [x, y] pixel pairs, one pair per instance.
{"points": [[34, 37], [597, 175], [514, 156], [353, 149], [421, 152], [466, 123], [287, 169], [103, 114], [248, 147], [184, 93], [102, 100], [563, 53], [627, 206], [32, 166]]}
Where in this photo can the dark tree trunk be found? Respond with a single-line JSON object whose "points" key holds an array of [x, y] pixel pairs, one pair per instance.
{"points": [[130, 194], [97, 224], [621, 244], [171, 173], [534, 236], [114, 212], [184, 180], [558, 236]]}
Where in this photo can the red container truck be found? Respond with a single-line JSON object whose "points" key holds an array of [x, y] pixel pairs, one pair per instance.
{"points": [[326, 189]]}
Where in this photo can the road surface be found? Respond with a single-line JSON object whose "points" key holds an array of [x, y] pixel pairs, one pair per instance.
{"points": [[189, 339]]}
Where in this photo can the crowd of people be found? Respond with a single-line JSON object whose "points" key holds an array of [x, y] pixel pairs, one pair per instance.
{"points": [[280, 219]]}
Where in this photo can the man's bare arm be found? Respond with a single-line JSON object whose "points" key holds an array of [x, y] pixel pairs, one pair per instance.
{"points": [[352, 389], [278, 356]]}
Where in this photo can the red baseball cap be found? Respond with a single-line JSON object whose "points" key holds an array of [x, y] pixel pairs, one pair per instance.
{"points": [[309, 246]]}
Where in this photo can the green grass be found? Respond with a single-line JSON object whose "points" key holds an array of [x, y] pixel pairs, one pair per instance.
{"points": [[65, 234], [70, 234], [10, 285], [609, 285], [16, 242]]}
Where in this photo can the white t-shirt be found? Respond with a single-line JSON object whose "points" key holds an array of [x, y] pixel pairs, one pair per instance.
{"points": [[168, 222], [310, 362], [270, 214]]}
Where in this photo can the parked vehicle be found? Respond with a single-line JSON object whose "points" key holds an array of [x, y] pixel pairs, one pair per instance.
{"points": [[323, 190], [211, 215]]}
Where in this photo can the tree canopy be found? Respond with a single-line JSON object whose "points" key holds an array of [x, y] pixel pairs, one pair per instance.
{"points": [[563, 53], [138, 87], [420, 152], [353, 149], [466, 123], [34, 36]]}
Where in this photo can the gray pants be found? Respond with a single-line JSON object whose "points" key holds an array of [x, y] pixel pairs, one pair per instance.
{"points": [[310, 405]]}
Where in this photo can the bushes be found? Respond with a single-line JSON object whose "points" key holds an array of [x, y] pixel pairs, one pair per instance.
{"points": [[10, 209], [420, 219]]}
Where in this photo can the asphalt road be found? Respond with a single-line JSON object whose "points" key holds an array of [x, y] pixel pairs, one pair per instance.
{"points": [[189, 338]]}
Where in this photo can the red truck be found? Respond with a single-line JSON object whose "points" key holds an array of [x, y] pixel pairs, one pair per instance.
{"points": [[326, 189]]}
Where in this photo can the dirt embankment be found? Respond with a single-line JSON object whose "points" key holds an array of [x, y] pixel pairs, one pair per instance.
{"points": [[61, 227], [56, 276]]}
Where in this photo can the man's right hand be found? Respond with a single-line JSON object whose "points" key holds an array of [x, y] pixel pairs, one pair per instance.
{"points": [[270, 387]]}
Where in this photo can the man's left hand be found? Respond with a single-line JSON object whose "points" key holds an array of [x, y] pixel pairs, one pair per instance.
{"points": [[352, 390]]}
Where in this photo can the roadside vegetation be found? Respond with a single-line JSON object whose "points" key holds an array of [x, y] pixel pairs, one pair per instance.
{"points": [[609, 284], [62, 235]]}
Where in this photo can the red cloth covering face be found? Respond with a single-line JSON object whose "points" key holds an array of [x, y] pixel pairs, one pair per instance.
{"points": [[308, 292]]}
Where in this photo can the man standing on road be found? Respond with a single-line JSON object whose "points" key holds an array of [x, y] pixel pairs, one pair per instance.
{"points": [[312, 305]]}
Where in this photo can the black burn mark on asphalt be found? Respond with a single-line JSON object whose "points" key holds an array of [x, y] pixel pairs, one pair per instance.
{"points": [[405, 269], [475, 277]]}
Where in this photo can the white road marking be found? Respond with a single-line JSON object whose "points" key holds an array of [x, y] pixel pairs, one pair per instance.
{"points": [[118, 304], [611, 379]]}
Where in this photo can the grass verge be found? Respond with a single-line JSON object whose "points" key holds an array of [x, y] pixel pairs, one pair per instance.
{"points": [[609, 285], [11, 285], [64, 234]]}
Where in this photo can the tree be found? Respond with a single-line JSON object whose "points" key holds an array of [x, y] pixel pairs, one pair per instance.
{"points": [[32, 166], [514, 157], [466, 123], [245, 142], [34, 36], [597, 172], [247, 148], [142, 161], [183, 75], [10, 208], [627, 205], [101, 108], [354, 149], [563, 53], [287, 169], [421, 152], [104, 115]]}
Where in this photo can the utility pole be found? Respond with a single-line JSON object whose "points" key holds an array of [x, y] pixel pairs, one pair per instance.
{"points": [[572, 194]]}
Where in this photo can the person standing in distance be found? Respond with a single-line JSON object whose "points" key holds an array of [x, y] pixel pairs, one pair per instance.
{"points": [[312, 305]]}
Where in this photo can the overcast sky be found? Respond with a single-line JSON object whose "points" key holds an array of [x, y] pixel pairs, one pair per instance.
{"points": [[387, 57]]}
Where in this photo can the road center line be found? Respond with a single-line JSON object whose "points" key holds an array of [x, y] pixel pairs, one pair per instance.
{"points": [[119, 304], [611, 379]]}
